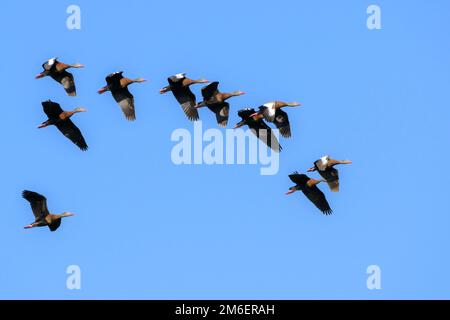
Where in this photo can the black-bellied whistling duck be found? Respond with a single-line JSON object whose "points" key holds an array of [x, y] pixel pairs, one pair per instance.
{"points": [[179, 85], [118, 85], [309, 188], [58, 71], [272, 112], [42, 216], [61, 119], [216, 102], [259, 128], [325, 167]]}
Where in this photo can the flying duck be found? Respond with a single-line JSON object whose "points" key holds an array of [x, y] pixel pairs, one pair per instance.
{"points": [[179, 85], [61, 119], [58, 71], [259, 128], [42, 216], [309, 188], [325, 167], [216, 102], [118, 85], [272, 112]]}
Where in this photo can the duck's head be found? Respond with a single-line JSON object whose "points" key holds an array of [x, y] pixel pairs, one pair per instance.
{"points": [[292, 190], [165, 89], [67, 214], [293, 104], [237, 93], [258, 115], [79, 109], [240, 124], [42, 74]]}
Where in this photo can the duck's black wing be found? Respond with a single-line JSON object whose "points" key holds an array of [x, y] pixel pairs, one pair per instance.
{"points": [[71, 131], [265, 134], [222, 111], [281, 121], [38, 204], [299, 179], [185, 98], [54, 224], [67, 81], [113, 79], [52, 109], [125, 100], [210, 91], [318, 198], [331, 175]]}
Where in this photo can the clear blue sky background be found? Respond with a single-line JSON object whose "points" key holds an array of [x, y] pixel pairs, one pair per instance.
{"points": [[147, 229]]}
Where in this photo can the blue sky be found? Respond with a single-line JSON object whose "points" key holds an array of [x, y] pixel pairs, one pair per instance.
{"points": [[148, 229]]}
